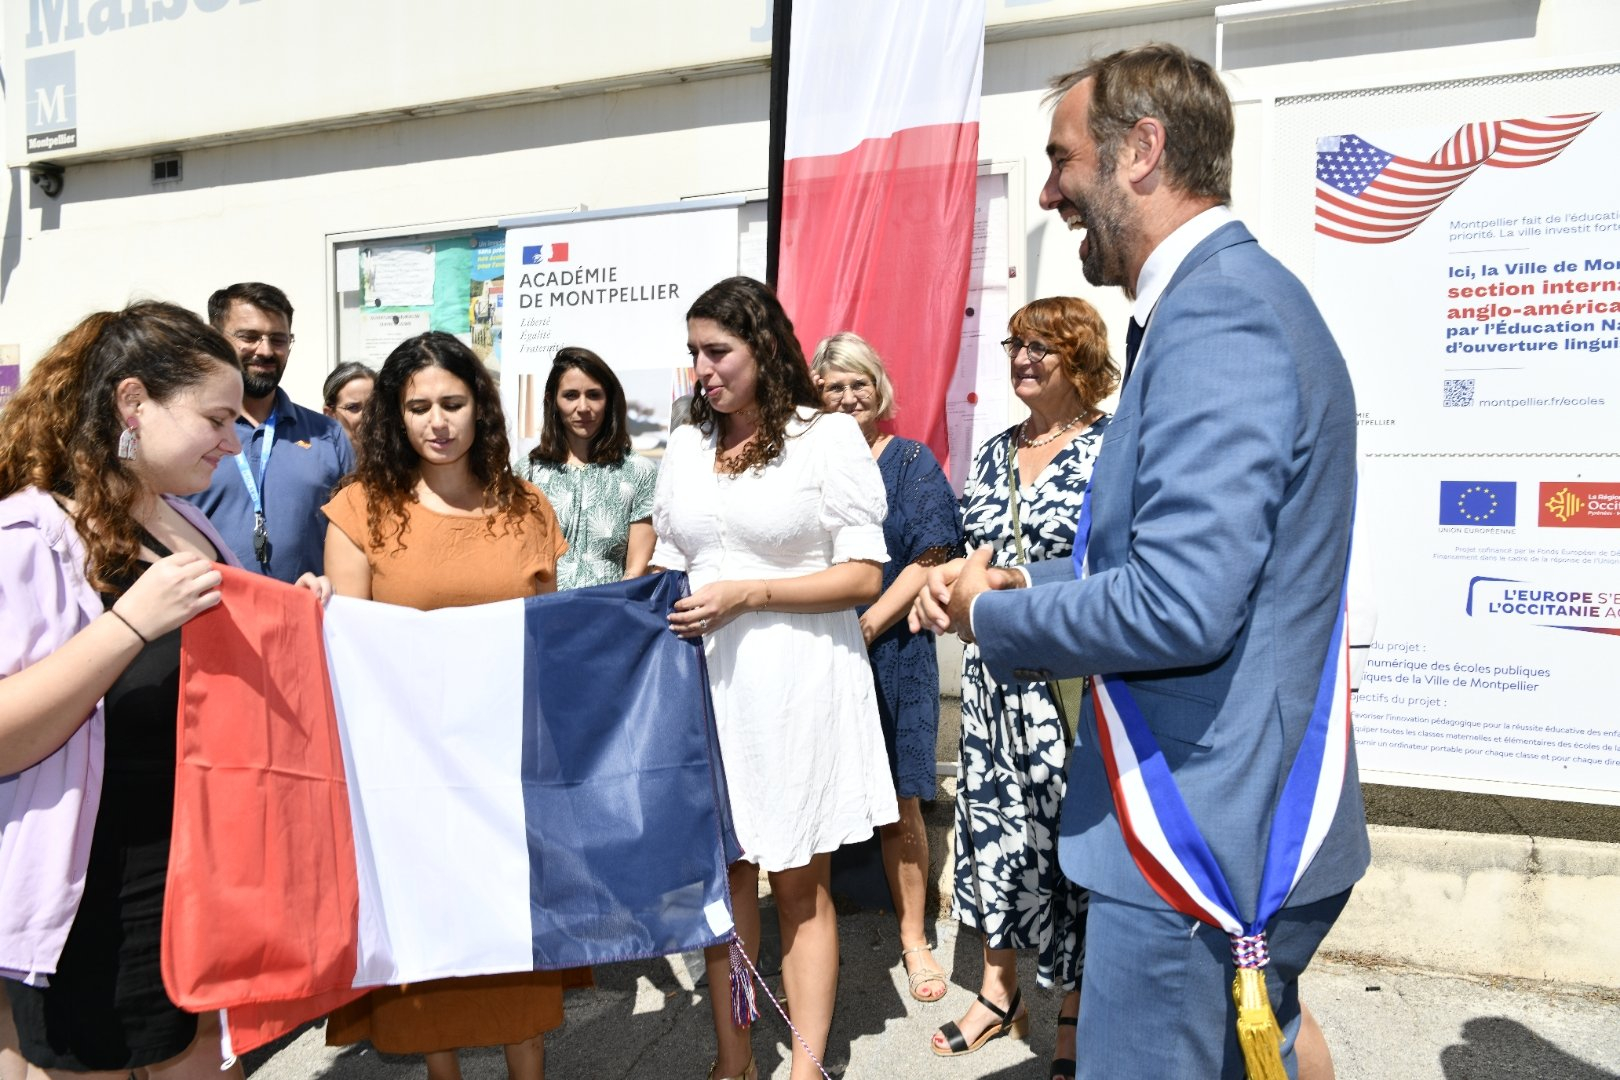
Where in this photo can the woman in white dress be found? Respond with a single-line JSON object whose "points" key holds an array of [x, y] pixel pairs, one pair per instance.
{"points": [[775, 511]]}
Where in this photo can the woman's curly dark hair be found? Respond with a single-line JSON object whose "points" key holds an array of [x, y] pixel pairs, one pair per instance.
{"points": [[749, 310], [60, 431], [388, 467]]}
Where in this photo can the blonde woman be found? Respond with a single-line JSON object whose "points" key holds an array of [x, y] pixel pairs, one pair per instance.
{"points": [[923, 528]]}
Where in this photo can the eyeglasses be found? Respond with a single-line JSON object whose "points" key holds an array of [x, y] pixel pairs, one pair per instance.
{"points": [[833, 391], [251, 338], [1037, 351]]}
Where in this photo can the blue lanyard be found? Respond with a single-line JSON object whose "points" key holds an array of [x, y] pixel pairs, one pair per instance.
{"points": [[261, 533], [253, 483]]}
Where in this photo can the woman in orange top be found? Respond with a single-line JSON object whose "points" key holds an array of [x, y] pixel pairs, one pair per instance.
{"points": [[434, 517]]}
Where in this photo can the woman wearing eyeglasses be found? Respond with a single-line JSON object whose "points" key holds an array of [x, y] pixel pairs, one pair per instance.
{"points": [[345, 393], [923, 528], [1023, 498]]}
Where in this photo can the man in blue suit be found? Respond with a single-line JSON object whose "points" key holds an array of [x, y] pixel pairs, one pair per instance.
{"points": [[1220, 511]]}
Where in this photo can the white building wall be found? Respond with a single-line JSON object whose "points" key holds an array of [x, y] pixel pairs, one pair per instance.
{"points": [[264, 209]]}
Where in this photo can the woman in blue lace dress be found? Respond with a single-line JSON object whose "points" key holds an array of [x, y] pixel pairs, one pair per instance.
{"points": [[923, 528], [1023, 498]]}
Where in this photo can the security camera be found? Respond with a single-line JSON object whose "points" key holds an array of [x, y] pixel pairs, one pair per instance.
{"points": [[48, 177]]}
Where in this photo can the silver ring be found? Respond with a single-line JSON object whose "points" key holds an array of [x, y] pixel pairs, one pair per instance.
{"points": [[703, 624]]}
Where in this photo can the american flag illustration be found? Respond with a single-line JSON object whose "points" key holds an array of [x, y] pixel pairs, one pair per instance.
{"points": [[1369, 196]]}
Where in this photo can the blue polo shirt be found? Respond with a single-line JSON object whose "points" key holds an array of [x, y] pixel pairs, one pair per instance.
{"points": [[311, 454]]}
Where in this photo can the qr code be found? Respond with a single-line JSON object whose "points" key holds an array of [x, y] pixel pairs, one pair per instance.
{"points": [[1459, 392]]}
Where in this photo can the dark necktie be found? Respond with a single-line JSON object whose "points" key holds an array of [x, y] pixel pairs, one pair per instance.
{"points": [[1133, 342]]}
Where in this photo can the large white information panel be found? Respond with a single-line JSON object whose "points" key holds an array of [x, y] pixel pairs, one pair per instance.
{"points": [[1466, 253]]}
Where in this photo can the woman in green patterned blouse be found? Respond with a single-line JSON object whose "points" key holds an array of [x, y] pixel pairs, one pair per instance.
{"points": [[601, 489]]}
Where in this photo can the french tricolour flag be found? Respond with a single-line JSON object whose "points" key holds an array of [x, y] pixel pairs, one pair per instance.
{"points": [[375, 795], [881, 148]]}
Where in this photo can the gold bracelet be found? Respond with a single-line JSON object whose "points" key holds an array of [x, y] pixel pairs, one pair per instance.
{"points": [[767, 604]]}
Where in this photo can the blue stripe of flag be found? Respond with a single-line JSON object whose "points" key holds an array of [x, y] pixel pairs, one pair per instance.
{"points": [[627, 822]]}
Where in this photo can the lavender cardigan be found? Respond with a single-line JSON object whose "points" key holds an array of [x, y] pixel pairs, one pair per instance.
{"points": [[48, 811]]}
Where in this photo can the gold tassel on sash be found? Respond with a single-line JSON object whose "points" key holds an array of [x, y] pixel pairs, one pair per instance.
{"points": [[1259, 1037], [1257, 1031]]}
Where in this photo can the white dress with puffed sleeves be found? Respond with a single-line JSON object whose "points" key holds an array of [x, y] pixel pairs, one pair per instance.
{"points": [[794, 704]]}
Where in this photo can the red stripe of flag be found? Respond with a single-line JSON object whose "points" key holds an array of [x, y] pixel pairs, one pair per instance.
{"points": [[879, 189]]}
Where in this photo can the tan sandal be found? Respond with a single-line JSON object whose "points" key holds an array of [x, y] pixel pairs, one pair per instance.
{"points": [[750, 1073], [924, 976]]}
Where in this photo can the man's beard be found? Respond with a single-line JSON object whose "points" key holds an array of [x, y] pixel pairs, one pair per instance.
{"points": [[259, 386], [1107, 222]]}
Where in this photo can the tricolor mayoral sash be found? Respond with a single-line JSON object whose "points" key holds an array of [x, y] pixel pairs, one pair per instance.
{"points": [[1171, 852]]}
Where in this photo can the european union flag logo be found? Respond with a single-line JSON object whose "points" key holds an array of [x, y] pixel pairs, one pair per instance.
{"points": [[534, 254], [1478, 502]]}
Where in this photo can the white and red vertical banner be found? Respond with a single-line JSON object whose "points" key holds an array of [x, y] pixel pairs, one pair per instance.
{"points": [[882, 147]]}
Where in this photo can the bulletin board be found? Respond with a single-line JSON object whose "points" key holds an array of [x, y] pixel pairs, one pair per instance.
{"points": [[393, 286]]}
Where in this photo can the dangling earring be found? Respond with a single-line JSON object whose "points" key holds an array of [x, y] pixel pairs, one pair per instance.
{"points": [[128, 441]]}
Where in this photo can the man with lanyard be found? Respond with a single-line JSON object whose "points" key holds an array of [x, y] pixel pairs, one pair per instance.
{"points": [[1213, 804], [266, 501]]}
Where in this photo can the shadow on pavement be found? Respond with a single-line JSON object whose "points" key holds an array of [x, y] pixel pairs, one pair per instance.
{"points": [[1496, 1048], [647, 1019]]}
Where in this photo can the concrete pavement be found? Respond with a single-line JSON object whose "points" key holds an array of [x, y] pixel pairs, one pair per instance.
{"points": [[1499, 898], [1384, 1023]]}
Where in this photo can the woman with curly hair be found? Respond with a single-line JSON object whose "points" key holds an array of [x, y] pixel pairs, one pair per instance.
{"points": [[775, 511], [101, 563], [601, 489], [433, 518]]}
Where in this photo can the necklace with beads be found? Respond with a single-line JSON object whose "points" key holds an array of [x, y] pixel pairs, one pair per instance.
{"points": [[1029, 444]]}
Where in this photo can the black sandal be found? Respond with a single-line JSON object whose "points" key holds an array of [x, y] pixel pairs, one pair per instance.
{"points": [[1065, 1068], [1012, 1021]]}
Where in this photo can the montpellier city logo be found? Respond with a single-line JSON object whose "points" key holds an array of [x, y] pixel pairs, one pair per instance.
{"points": [[1571, 504], [1478, 502], [52, 108]]}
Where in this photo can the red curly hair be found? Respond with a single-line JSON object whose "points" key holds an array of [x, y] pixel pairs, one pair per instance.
{"points": [[1078, 335]]}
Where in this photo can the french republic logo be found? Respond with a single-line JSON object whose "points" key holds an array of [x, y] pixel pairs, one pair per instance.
{"points": [[1478, 502], [1573, 505], [535, 254]]}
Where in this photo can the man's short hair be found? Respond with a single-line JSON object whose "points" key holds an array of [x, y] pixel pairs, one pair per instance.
{"points": [[257, 293], [1181, 92]]}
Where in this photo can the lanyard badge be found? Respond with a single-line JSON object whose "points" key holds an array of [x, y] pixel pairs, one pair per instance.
{"points": [[255, 490], [261, 539]]}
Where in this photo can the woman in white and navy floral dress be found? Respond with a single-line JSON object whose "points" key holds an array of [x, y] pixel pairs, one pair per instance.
{"points": [[1014, 741]]}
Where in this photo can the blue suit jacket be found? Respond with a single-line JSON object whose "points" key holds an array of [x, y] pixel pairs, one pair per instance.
{"points": [[1220, 520]]}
